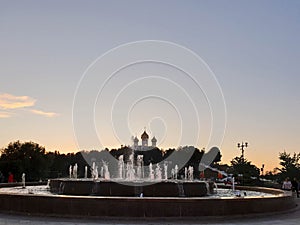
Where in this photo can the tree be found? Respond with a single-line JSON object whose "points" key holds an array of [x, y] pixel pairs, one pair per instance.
{"points": [[28, 158], [290, 166], [242, 166]]}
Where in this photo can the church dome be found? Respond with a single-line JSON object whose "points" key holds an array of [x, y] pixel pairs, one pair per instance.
{"points": [[136, 139], [153, 139], [144, 135]]}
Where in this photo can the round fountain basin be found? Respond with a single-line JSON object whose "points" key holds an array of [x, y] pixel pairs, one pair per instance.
{"points": [[32, 201]]}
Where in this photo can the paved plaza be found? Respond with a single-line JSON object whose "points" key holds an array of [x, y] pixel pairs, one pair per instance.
{"points": [[291, 217]]}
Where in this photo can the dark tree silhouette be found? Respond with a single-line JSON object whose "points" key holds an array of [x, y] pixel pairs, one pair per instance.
{"points": [[290, 165], [33, 160], [249, 172], [28, 158]]}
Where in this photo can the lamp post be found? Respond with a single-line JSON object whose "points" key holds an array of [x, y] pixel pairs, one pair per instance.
{"points": [[262, 169], [242, 147]]}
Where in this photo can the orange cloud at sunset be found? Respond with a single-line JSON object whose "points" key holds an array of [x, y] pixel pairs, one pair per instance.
{"points": [[42, 113], [8, 101], [11, 103]]}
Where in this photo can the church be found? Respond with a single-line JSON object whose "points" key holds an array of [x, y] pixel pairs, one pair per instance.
{"points": [[145, 140]]}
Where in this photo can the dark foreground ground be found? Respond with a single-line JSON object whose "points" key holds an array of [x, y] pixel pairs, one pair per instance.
{"points": [[291, 217]]}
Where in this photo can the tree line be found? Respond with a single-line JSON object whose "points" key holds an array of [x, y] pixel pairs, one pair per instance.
{"points": [[38, 164]]}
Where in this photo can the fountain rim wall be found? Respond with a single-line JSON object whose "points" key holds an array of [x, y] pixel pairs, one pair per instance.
{"points": [[111, 206]]}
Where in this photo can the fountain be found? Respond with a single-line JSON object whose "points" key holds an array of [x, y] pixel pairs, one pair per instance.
{"points": [[131, 194], [70, 171], [140, 167], [125, 187], [151, 172], [132, 180], [166, 170], [131, 189], [158, 173], [130, 174], [191, 173], [121, 167], [75, 168], [23, 180], [94, 171], [106, 173], [85, 172], [176, 171]]}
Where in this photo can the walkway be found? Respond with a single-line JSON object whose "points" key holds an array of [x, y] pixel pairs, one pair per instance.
{"points": [[287, 218]]}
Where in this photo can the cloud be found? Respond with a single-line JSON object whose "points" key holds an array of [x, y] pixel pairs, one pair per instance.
{"points": [[5, 114], [8, 101], [42, 113]]}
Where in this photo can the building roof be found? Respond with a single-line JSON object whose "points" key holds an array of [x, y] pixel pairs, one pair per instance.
{"points": [[144, 135], [136, 139]]}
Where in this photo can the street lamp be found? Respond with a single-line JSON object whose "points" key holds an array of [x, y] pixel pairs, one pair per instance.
{"points": [[262, 169], [241, 146]]}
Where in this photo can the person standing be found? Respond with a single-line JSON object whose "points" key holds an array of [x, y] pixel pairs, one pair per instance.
{"points": [[10, 177], [287, 185], [295, 186]]}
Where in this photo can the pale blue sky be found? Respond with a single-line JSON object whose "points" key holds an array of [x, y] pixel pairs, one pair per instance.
{"points": [[251, 46]]}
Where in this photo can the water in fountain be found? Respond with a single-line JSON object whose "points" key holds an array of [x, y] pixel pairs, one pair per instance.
{"points": [[233, 184], [173, 173], [207, 187], [151, 172], [190, 173], [166, 170], [176, 172], [216, 187], [94, 171], [85, 172], [70, 171], [130, 173], [75, 168], [140, 167], [121, 167], [158, 173], [23, 180], [106, 171]]}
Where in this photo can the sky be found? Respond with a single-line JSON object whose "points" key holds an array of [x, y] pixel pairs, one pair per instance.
{"points": [[54, 88]]}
